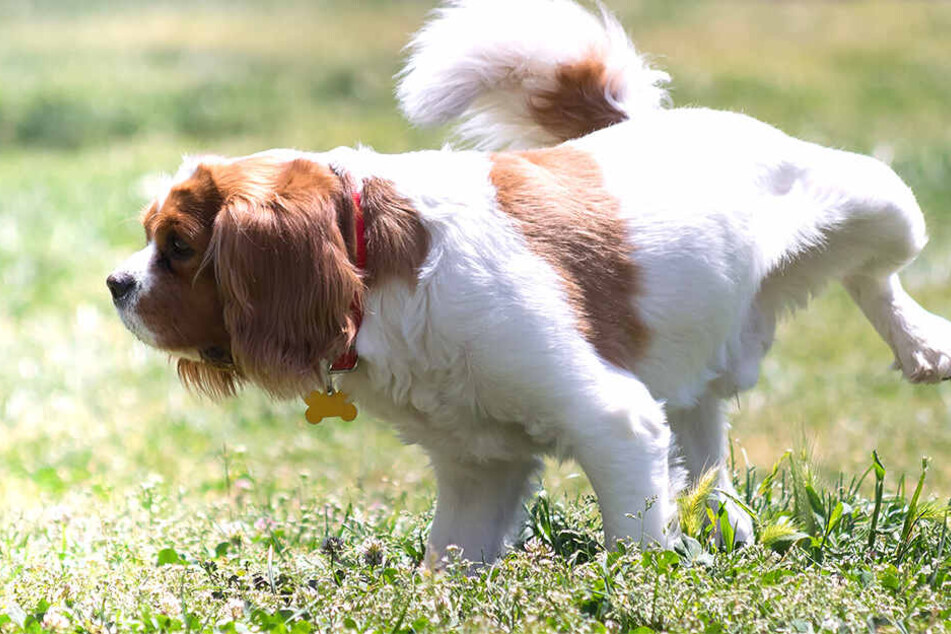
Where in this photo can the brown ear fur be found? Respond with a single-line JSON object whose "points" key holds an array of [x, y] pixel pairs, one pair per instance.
{"points": [[283, 270], [212, 381], [397, 242]]}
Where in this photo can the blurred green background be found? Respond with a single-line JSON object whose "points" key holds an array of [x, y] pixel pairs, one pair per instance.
{"points": [[98, 97]]}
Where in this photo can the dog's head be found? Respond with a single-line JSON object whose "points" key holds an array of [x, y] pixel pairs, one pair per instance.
{"points": [[246, 273]]}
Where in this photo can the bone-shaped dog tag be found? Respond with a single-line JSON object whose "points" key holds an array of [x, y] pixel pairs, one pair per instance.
{"points": [[321, 405]]}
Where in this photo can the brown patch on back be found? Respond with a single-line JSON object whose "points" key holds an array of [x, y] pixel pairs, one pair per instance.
{"points": [[397, 242], [559, 203], [579, 103]]}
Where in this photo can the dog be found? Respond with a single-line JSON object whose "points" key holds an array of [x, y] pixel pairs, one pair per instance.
{"points": [[590, 282]]}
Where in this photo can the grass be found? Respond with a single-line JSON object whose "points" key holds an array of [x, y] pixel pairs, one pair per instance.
{"points": [[128, 505], [289, 561]]}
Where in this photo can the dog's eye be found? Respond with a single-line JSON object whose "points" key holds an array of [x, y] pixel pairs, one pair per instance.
{"points": [[178, 249]]}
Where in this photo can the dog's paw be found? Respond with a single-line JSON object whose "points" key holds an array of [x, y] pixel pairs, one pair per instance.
{"points": [[926, 366], [923, 352], [742, 525], [739, 519]]}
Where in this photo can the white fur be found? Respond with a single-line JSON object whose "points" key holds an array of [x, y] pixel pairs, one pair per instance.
{"points": [[730, 223], [138, 265], [481, 60], [483, 365]]}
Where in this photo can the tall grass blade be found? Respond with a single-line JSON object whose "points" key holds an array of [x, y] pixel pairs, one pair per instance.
{"points": [[941, 542], [806, 503], [911, 516], [767, 483], [727, 534], [879, 492]]}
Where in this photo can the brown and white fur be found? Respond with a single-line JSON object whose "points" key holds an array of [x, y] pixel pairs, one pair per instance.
{"points": [[594, 300]]}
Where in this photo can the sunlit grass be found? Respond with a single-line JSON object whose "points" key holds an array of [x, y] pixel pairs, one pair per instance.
{"points": [[105, 461]]}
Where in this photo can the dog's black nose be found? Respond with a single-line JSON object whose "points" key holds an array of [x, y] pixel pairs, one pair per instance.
{"points": [[120, 284]]}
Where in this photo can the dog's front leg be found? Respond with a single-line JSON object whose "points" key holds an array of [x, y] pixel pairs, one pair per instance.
{"points": [[621, 439], [478, 505]]}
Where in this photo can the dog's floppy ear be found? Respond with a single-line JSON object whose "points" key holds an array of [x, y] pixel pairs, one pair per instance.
{"points": [[287, 284], [210, 380]]}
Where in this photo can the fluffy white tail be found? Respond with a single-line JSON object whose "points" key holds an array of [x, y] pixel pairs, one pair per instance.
{"points": [[525, 73]]}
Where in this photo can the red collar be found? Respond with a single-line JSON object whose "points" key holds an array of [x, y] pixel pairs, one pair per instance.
{"points": [[347, 362]]}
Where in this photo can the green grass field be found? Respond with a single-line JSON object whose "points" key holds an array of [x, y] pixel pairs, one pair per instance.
{"points": [[127, 504]]}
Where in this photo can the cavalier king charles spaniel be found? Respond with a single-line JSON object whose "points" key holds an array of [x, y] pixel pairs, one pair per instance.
{"points": [[591, 282]]}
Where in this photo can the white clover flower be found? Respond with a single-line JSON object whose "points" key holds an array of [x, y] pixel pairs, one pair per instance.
{"points": [[60, 514], [264, 524], [233, 609], [243, 484], [373, 552], [539, 551], [231, 529], [169, 605], [55, 621]]}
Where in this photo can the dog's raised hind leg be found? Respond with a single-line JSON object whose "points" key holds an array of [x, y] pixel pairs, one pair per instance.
{"points": [[884, 215], [920, 340], [873, 227]]}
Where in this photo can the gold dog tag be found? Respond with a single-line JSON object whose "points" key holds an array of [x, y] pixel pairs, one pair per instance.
{"points": [[321, 405]]}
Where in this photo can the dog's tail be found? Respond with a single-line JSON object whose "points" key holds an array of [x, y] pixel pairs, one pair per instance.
{"points": [[525, 73]]}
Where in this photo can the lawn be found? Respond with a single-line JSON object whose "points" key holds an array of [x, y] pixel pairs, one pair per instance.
{"points": [[127, 504]]}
